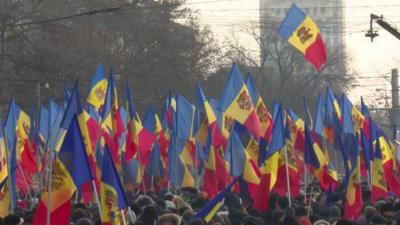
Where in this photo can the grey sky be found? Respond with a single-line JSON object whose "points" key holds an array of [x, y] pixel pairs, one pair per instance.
{"points": [[363, 57]]}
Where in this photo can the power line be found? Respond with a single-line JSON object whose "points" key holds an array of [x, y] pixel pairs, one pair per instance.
{"points": [[109, 10]]}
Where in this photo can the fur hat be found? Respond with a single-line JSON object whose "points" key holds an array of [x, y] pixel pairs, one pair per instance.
{"points": [[169, 217]]}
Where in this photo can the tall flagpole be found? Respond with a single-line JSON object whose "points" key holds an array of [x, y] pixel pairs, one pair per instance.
{"points": [[49, 174], [49, 179], [305, 183], [287, 177], [123, 217], [97, 199], [10, 172], [132, 215], [25, 181]]}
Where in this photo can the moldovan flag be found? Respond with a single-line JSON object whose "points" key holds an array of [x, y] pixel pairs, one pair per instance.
{"points": [[112, 196], [316, 159], [270, 158], [302, 32], [134, 127], [4, 193], [379, 184], [111, 116], [236, 105], [215, 173], [261, 109], [211, 208], [281, 187], [205, 119], [389, 164], [74, 157], [240, 164], [62, 188], [3, 160], [97, 88], [353, 205]]}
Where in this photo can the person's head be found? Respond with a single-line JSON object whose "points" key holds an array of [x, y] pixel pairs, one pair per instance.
{"points": [[187, 215], [369, 212], [28, 218], [388, 211], [196, 222], [78, 213], [178, 201], [334, 213], [289, 220], [169, 219], [149, 215], [144, 200], [344, 222], [233, 201], [378, 220], [289, 211], [278, 215], [249, 220], [301, 211], [13, 220], [321, 222], [236, 222], [84, 221]]}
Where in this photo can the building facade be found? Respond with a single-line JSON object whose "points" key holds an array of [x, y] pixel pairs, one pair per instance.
{"points": [[328, 15]]}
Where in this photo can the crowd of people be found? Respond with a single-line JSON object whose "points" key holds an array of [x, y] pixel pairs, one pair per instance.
{"points": [[179, 207]]}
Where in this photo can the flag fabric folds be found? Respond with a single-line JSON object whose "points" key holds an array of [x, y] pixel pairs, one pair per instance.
{"points": [[73, 155], [270, 160], [211, 208], [302, 32], [240, 165], [354, 201], [236, 105], [112, 195], [62, 189], [379, 184]]}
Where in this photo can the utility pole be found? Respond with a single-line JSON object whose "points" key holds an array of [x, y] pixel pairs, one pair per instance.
{"points": [[395, 98]]}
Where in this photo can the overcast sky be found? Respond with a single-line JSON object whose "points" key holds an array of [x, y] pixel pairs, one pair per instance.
{"points": [[368, 60]]}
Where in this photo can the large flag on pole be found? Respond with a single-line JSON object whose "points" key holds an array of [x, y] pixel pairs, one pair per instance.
{"points": [[353, 204], [112, 197], [302, 32], [62, 188], [270, 158], [211, 208], [236, 105], [73, 155]]}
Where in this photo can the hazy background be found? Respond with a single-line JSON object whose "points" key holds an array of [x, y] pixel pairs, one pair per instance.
{"points": [[370, 61]]}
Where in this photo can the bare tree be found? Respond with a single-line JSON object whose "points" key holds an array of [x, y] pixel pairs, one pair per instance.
{"points": [[156, 46], [283, 73]]}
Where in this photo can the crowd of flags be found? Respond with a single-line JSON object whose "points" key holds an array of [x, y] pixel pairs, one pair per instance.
{"points": [[95, 151]]}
